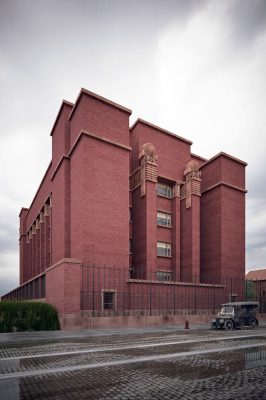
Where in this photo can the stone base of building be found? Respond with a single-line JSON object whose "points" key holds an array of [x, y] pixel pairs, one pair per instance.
{"points": [[75, 321]]}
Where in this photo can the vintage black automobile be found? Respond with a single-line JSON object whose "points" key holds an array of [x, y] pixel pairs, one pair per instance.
{"points": [[236, 314]]}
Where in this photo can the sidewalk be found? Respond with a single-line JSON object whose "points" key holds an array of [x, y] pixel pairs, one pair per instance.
{"points": [[85, 333]]}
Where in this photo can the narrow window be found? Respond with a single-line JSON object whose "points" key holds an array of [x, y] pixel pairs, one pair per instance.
{"points": [[108, 300], [163, 249], [130, 245], [164, 190], [163, 219], [163, 276]]}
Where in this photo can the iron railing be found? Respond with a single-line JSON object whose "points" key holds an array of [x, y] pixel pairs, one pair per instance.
{"points": [[113, 291]]}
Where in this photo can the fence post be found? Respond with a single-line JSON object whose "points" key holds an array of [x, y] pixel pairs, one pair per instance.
{"points": [[93, 307], [150, 297], [214, 305], [123, 298], [260, 297], [174, 297], [195, 294], [82, 291], [115, 295]]}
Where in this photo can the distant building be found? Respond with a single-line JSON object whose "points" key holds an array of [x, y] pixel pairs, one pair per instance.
{"points": [[256, 285], [134, 201], [257, 275]]}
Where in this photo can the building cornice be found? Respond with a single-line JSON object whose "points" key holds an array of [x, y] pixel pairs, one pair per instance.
{"points": [[222, 183], [142, 121], [97, 97], [63, 261], [97, 137], [58, 165], [64, 103], [23, 209], [222, 154]]}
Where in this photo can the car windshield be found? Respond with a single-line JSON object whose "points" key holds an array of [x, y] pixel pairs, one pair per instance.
{"points": [[227, 310]]}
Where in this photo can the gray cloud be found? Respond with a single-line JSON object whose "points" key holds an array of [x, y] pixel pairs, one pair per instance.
{"points": [[7, 284], [248, 19], [7, 242]]}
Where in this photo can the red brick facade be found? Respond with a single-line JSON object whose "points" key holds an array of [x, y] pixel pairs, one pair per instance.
{"points": [[186, 225]]}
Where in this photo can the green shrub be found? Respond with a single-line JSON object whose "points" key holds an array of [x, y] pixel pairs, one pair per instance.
{"points": [[27, 315]]}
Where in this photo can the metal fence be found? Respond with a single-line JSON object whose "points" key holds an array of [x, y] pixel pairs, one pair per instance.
{"points": [[121, 292]]}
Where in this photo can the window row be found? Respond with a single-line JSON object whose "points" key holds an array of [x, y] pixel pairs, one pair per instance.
{"points": [[163, 219], [163, 248], [164, 276], [164, 190]]}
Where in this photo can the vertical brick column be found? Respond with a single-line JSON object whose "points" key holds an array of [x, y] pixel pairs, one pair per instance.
{"points": [[151, 229], [50, 232], [223, 219], [148, 161], [34, 250], [190, 223], [27, 260], [38, 247], [60, 212], [42, 242], [176, 233], [47, 235], [30, 254], [23, 245]]}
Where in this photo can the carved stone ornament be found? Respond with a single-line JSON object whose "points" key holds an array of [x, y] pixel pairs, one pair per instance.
{"points": [[148, 166], [37, 223], [193, 181], [148, 151], [192, 170], [46, 210], [41, 217]]}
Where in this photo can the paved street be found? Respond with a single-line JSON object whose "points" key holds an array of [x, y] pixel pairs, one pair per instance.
{"points": [[149, 363]]}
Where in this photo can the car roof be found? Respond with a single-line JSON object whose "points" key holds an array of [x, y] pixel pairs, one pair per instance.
{"points": [[242, 303]]}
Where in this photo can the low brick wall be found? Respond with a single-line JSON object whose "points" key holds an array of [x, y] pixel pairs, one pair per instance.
{"points": [[74, 321]]}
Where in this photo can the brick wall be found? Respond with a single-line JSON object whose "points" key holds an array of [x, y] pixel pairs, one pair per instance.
{"points": [[89, 182]]}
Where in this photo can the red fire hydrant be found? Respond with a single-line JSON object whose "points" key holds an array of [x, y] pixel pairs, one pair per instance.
{"points": [[186, 325]]}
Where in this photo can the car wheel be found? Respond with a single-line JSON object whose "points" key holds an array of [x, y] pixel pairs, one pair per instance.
{"points": [[228, 324], [214, 325], [253, 323]]}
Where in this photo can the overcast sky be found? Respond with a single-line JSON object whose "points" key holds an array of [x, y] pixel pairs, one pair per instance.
{"points": [[196, 68]]}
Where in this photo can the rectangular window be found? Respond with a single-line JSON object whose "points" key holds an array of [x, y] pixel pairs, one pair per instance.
{"points": [[130, 214], [108, 300], [163, 276], [130, 245], [163, 219], [163, 249], [164, 190]]}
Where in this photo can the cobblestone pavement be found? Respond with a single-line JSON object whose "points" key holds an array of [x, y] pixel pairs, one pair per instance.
{"points": [[155, 364]]}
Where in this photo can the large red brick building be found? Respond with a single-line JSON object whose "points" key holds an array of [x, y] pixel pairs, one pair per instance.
{"points": [[133, 199]]}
